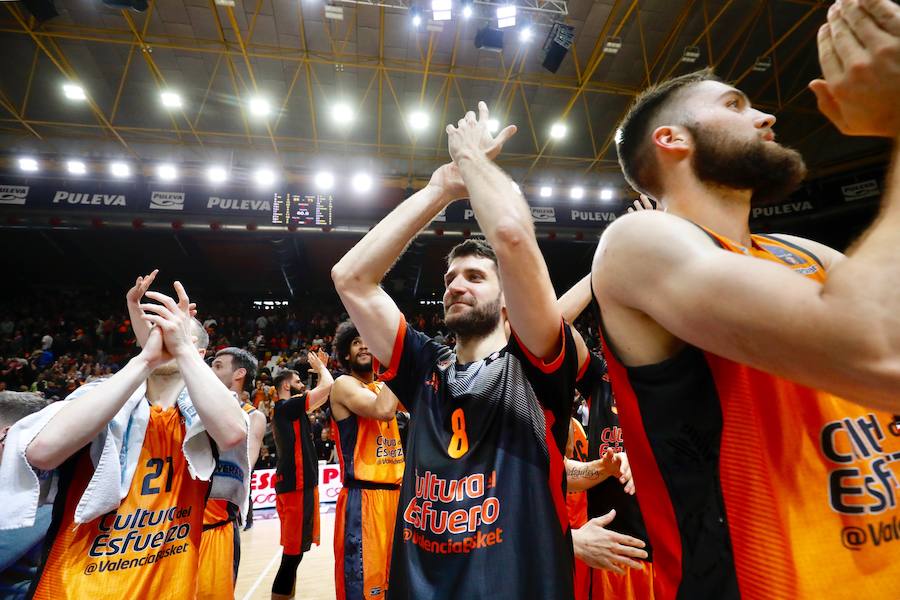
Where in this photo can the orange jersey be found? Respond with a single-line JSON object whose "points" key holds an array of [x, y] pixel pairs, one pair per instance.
{"points": [[148, 548], [370, 449], [777, 490]]}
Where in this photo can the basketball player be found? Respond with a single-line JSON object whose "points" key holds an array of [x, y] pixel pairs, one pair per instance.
{"points": [[21, 549], [148, 547], [756, 376], [220, 546], [371, 456], [297, 468], [482, 504]]}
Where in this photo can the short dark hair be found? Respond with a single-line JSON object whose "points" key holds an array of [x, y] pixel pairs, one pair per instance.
{"points": [[18, 405], [636, 154], [343, 339], [240, 358], [472, 247], [283, 376]]}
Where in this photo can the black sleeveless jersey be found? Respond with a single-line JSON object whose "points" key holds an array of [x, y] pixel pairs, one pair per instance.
{"points": [[482, 510], [605, 433], [297, 465]]}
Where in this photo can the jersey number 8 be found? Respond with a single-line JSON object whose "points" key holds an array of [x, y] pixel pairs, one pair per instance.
{"points": [[459, 443]]}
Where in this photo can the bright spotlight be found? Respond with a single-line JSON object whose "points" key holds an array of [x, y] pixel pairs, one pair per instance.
{"points": [[216, 174], [74, 92], [416, 16], [170, 99], [526, 34], [324, 180], [119, 169], [546, 191], [76, 167], [493, 125], [418, 120], [362, 182], [264, 177], [467, 11], [576, 193], [342, 113], [28, 164], [441, 10], [506, 16], [558, 131], [606, 194], [167, 172], [259, 106]]}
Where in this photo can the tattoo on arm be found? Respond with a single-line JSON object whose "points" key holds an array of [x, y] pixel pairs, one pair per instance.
{"points": [[575, 470]]}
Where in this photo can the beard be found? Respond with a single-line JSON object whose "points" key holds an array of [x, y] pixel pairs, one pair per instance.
{"points": [[361, 367], [771, 171], [167, 369], [475, 323]]}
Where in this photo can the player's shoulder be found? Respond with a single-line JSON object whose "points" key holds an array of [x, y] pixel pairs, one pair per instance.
{"points": [[825, 255], [649, 239]]}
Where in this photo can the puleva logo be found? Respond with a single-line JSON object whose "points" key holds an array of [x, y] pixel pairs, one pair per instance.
{"points": [[167, 200], [13, 194]]}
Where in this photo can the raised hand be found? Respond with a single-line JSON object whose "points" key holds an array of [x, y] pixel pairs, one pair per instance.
{"points": [[173, 320], [472, 136], [141, 285], [449, 182], [645, 203], [154, 350], [859, 51]]}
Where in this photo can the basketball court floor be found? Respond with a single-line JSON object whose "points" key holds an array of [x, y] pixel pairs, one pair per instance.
{"points": [[261, 554]]}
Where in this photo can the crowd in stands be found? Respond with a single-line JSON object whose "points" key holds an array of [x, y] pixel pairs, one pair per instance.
{"points": [[54, 343]]}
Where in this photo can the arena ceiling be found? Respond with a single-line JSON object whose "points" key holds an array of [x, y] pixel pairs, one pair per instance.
{"points": [[218, 57]]}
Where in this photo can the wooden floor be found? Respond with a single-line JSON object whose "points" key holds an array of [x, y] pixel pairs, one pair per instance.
{"points": [[261, 555]]}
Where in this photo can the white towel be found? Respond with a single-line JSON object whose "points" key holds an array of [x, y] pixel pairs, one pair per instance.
{"points": [[115, 453]]}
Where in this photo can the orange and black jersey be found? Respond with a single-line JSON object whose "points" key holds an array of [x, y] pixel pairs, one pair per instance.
{"points": [[753, 486], [482, 504], [604, 433], [149, 546], [297, 466]]}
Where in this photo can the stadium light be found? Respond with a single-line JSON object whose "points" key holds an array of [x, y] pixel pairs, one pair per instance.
{"points": [[576, 193], [76, 167], [362, 183], [259, 106], [324, 180], [119, 169], [342, 113], [606, 194], [170, 99], [467, 10], [264, 177], [506, 16], [418, 120], [167, 172], [526, 34], [216, 174], [28, 164], [74, 92], [546, 191], [558, 131], [493, 125]]}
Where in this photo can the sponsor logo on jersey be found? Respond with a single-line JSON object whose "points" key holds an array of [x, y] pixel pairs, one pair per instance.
{"points": [[64, 197], [13, 194], [167, 200], [238, 204]]}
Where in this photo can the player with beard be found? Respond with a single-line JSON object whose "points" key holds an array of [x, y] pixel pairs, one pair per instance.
{"points": [[482, 509], [756, 376], [164, 500], [297, 469], [371, 456]]}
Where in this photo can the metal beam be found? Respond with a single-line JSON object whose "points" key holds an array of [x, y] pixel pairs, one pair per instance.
{"points": [[34, 63], [780, 40], [8, 105], [66, 69]]}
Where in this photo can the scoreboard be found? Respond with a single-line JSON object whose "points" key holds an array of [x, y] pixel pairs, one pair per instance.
{"points": [[305, 210]]}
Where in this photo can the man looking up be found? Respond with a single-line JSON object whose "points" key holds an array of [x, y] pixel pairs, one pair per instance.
{"points": [[484, 484]]}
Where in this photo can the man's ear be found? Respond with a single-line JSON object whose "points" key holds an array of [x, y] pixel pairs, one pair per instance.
{"points": [[672, 139]]}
